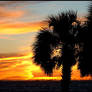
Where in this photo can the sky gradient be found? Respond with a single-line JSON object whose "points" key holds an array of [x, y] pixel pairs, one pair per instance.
{"points": [[19, 23]]}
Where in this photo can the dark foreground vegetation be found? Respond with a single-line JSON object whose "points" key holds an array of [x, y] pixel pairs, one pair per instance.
{"points": [[44, 86]]}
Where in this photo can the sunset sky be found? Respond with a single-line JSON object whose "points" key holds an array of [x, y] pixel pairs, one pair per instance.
{"points": [[19, 23]]}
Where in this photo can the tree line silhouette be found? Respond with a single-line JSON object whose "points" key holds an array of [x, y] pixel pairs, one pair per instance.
{"points": [[72, 39]]}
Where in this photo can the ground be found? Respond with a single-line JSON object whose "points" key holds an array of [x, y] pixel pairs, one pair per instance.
{"points": [[43, 86]]}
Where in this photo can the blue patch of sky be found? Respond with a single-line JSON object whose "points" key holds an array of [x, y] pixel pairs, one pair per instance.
{"points": [[39, 11]]}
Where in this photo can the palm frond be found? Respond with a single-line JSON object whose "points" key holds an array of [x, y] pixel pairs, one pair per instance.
{"points": [[42, 49], [62, 23], [85, 60], [90, 13], [89, 18], [62, 20]]}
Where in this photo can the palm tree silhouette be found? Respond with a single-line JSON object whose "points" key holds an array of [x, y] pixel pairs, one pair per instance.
{"points": [[85, 59], [65, 34], [61, 36]]}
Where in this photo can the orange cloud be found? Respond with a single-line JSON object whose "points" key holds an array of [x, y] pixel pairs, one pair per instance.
{"points": [[11, 14], [4, 13], [23, 27], [20, 27], [20, 66]]}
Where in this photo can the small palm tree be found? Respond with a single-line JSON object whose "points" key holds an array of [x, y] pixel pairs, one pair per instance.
{"points": [[65, 34]]}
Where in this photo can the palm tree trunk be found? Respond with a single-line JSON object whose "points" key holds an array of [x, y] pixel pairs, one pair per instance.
{"points": [[66, 77]]}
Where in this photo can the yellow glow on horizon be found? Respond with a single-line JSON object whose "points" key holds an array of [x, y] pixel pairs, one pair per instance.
{"points": [[21, 57], [47, 78], [24, 69]]}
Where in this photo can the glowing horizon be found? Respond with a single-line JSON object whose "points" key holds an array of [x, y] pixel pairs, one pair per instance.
{"points": [[23, 68]]}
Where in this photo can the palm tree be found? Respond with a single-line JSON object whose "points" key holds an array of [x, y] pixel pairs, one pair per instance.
{"points": [[85, 59], [65, 34], [61, 37]]}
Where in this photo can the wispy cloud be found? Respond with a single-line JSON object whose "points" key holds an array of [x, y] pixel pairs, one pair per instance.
{"points": [[6, 37], [9, 10], [11, 13], [20, 27], [3, 37]]}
